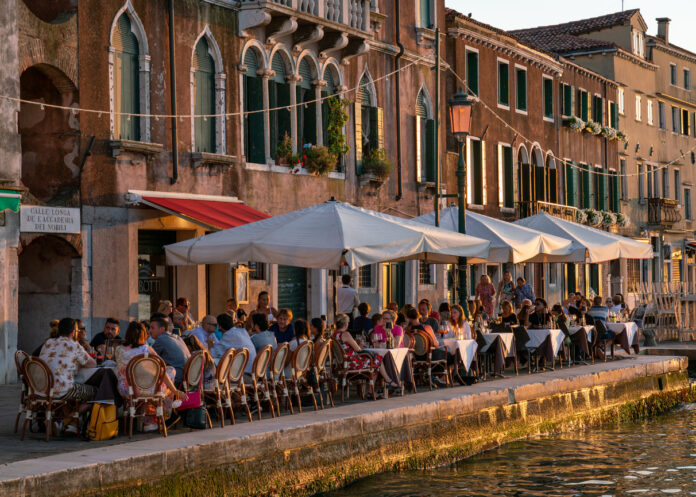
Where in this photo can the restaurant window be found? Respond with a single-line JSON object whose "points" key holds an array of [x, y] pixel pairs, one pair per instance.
{"points": [[673, 74], [548, 98], [472, 71], [687, 79], [633, 275], [279, 99], [521, 89], [583, 105], [306, 107], [425, 140], [661, 115], [598, 109], [506, 175], [639, 115], [503, 83], [126, 88], [567, 100], [676, 120], [476, 181], [687, 204], [155, 278], [620, 98], [426, 273], [253, 102], [365, 276], [257, 270]]}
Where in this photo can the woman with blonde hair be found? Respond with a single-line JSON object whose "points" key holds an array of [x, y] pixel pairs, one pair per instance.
{"points": [[165, 307], [485, 291]]}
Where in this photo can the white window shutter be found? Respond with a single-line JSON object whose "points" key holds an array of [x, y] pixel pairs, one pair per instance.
{"points": [[469, 176], [483, 171], [500, 175], [418, 148]]}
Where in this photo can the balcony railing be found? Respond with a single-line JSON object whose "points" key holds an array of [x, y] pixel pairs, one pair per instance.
{"points": [[531, 207], [351, 14], [663, 211]]}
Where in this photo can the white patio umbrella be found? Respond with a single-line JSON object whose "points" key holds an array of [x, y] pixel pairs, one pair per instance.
{"points": [[509, 242], [597, 245], [324, 236]]}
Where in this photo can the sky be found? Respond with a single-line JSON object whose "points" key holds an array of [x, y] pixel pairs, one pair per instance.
{"points": [[516, 14]]}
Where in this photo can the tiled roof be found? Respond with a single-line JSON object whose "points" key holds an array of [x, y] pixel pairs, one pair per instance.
{"points": [[586, 25], [451, 14]]}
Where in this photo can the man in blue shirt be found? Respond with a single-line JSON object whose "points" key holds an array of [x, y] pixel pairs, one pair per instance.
{"points": [[171, 348], [598, 311], [233, 338], [206, 332], [283, 329], [260, 334], [523, 290]]}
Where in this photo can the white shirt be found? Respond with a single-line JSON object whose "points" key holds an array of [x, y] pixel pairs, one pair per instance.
{"points": [[347, 299], [235, 338], [203, 336]]}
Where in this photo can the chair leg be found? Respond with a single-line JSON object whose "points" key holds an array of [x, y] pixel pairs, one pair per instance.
{"points": [[297, 396], [245, 401], [19, 415], [49, 424], [314, 398]]}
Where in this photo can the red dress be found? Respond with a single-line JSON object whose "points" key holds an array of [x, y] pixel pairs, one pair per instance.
{"points": [[356, 361]]}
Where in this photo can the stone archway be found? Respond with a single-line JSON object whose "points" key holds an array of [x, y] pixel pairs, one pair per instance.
{"points": [[46, 268]]}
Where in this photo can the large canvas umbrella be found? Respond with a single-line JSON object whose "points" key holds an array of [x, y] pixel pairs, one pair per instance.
{"points": [[326, 235], [597, 245], [509, 242]]}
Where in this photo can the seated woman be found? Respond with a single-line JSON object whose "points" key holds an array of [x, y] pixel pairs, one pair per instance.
{"points": [[136, 344], [523, 315], [351, 349], [317, 327], [301, 334], [456, 326], [508, 316], [386, 321]]}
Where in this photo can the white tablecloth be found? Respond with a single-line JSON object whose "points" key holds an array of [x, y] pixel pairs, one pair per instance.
{"points": [[588, 330], [467, 349], [398, 355], [507, 339], [537, 337], [630, 327]]}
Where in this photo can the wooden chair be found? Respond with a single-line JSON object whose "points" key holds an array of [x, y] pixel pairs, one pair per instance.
{"points": [[20, 358], [428, 367], [300, 364], [521, 339], [599, 339], [257, 382], [145, 377], [322, 369], [40, 399], [192, 379], [235, 380], [276, 376], [219, 391], [345, 376]]}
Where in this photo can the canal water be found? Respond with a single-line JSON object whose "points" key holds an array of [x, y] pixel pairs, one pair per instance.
{"points": [[656, 457]]}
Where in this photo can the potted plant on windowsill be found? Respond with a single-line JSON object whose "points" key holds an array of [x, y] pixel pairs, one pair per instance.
{"points": [[609, 133], [608, 219], [593, 217], [580, 216], [593, 128], [574, 123], [621, 136], [376, 167], [318, 160], [621, 220], [284, 151]]}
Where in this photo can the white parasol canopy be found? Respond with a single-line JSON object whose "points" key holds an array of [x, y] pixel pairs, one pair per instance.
{"points": [[597, 245], [324, 236], [509, 242]]}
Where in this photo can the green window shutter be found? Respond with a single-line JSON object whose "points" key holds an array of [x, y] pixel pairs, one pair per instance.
{"points": [[254, 122], [503, 83], [553, 186], [508, 178], [584, 106], [364, 92], [375, 130], [521, 82], [306, 75], [421, 108], [539, 183], [548, 98], [571, 184], [204, 91], [425, 14], [357, 117], [477, 176], [309, 118], [251, 63], [278, 67], [127, 77], [586, 187], [419, 148], [567, 100], [614, 115], [430, 161], [602, 190], [472, 72]]}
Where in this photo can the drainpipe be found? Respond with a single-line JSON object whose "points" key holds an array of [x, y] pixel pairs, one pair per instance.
{"points": [[172, 89], [399, 188]]}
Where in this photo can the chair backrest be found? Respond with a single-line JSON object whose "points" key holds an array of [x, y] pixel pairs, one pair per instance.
{"points": [[145, 372], [563, 327], [237, 365], [480, 341], [600, 328], [261, 362], [193, 370], [280, 358], [20, 358], [521, 337], [337, 353], [39, 376], [421, 345], [302, 358], [223, 367], [321, 353]]}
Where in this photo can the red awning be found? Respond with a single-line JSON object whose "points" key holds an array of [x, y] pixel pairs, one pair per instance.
{"points": [[216, 214]]}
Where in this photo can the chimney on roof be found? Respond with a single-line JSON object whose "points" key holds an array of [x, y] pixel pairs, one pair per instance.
{"points": [[663, 28]]}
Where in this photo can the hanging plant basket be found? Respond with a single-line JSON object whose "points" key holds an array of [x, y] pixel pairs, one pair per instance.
{"points": [[608, 219]]}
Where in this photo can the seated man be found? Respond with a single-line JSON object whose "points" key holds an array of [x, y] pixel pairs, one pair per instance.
{"points": [[415, 323], [362, 325], [171, 348], [598, 311], [206, 332], [233, 338], [425, 310], [260, 335], [111, 329], [283, 329], [65, 356], [540, 318]]}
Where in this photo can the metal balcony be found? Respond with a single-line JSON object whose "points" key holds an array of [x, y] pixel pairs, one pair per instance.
{"points": [[531, 207], [663, 212], [340, 27]]}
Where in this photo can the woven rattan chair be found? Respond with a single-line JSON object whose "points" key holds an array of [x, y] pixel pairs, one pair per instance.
{"points": [[300, 364], [257, 382], [235, 380], [218, 393], [345, 375], [276, 376], [322, 370], [20, 358], [427, 367], [145, 377], [40, 400], [192, 379]]}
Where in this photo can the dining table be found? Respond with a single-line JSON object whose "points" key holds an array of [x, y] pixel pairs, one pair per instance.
{"points": [[464, 350], [396, 364], [625, 335], [503, 345], [581, 336], [547, 342]]}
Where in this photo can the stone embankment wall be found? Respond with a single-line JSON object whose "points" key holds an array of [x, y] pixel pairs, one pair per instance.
{"points": [[311, 452]]}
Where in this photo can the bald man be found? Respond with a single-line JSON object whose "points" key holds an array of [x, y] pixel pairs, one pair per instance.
{"points": [[206, 332]]}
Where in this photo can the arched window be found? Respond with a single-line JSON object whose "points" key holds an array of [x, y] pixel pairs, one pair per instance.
{"points": [[331, 77], [306, 109], [425, 139], [253, 101], [524, 182], [539, 172], [204, 98], [279, 98], [552, 176], [369, 132], [126, 79]]}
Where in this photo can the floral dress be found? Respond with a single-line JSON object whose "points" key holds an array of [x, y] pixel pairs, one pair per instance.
{"points": [[507, 291], [354, 360], [486, 293]]}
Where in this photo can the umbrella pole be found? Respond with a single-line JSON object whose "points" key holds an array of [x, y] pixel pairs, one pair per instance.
{"points": [[461, 184]]}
